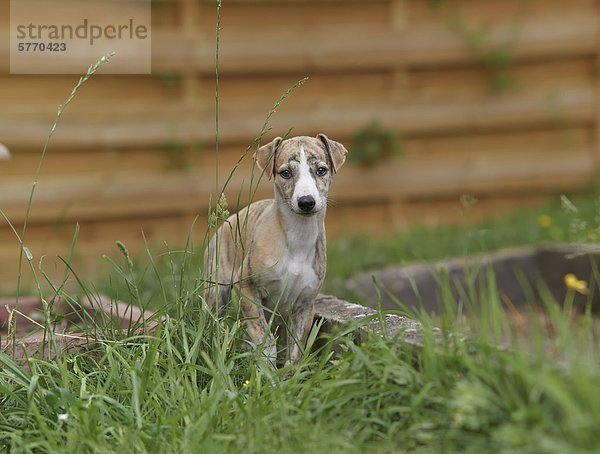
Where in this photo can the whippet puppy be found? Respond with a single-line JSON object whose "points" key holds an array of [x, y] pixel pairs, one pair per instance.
{"points": [[272, 254]]}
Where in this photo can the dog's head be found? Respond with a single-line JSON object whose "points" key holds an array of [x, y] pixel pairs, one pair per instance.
{"points": [[302, 169]]}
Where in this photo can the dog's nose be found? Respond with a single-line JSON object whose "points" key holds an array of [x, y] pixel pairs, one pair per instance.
{"points": [[306, 203]]}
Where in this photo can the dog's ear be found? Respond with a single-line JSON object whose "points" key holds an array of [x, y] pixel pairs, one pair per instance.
{"points": [[335, 150], [265, 157]]}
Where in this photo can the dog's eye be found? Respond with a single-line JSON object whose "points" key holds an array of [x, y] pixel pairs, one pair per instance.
{"points": [[285, 174], [322, 171]]}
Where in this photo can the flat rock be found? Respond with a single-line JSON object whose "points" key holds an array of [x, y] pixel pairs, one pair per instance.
{"points": [[517, 274], [336, 312]]}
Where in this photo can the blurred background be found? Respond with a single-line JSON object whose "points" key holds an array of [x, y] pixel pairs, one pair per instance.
{"points": [[452, 110]]}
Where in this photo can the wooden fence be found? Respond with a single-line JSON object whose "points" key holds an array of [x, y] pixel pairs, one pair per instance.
{"points": [[499, 99]]}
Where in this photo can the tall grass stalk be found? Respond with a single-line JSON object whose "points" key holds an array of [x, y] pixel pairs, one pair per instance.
{"points": [[24, 250], [61, 108]]}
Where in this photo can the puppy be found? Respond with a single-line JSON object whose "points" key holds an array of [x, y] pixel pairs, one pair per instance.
{"points": [[272, 254]]}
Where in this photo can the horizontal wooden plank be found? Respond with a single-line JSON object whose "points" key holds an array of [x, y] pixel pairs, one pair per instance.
{"points": [[438, 167], [107, 162], [93, 196], [87, 199], [384, 218], [242, 16], [572, 105], [568, 32], [252, 49], [430, 36], [22, 90], [256, 95], [239, 13], [50, 243], [480, 15]]}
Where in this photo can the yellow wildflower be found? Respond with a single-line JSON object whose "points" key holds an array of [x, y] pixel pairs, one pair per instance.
{"points": [[574, 284], [544, 221], [246, 383]]}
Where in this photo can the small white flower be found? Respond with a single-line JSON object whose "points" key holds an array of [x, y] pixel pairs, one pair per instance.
{"points": [[4, 153], [63, 416]]}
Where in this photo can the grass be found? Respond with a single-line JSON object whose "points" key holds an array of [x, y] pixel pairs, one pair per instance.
{"points": [[192, 387]]}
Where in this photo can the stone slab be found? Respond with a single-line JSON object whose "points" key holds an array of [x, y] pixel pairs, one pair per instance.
{"points": [[518, 274]]}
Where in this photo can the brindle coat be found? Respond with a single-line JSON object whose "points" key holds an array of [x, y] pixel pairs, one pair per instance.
{"points": [[273, 252]]}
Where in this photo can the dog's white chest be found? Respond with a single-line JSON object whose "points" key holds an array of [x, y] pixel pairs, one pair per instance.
{"points": [[293, 279]]}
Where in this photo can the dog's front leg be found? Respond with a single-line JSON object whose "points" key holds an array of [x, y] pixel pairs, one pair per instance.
{"points": [[302, 319], [256, 324]]}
